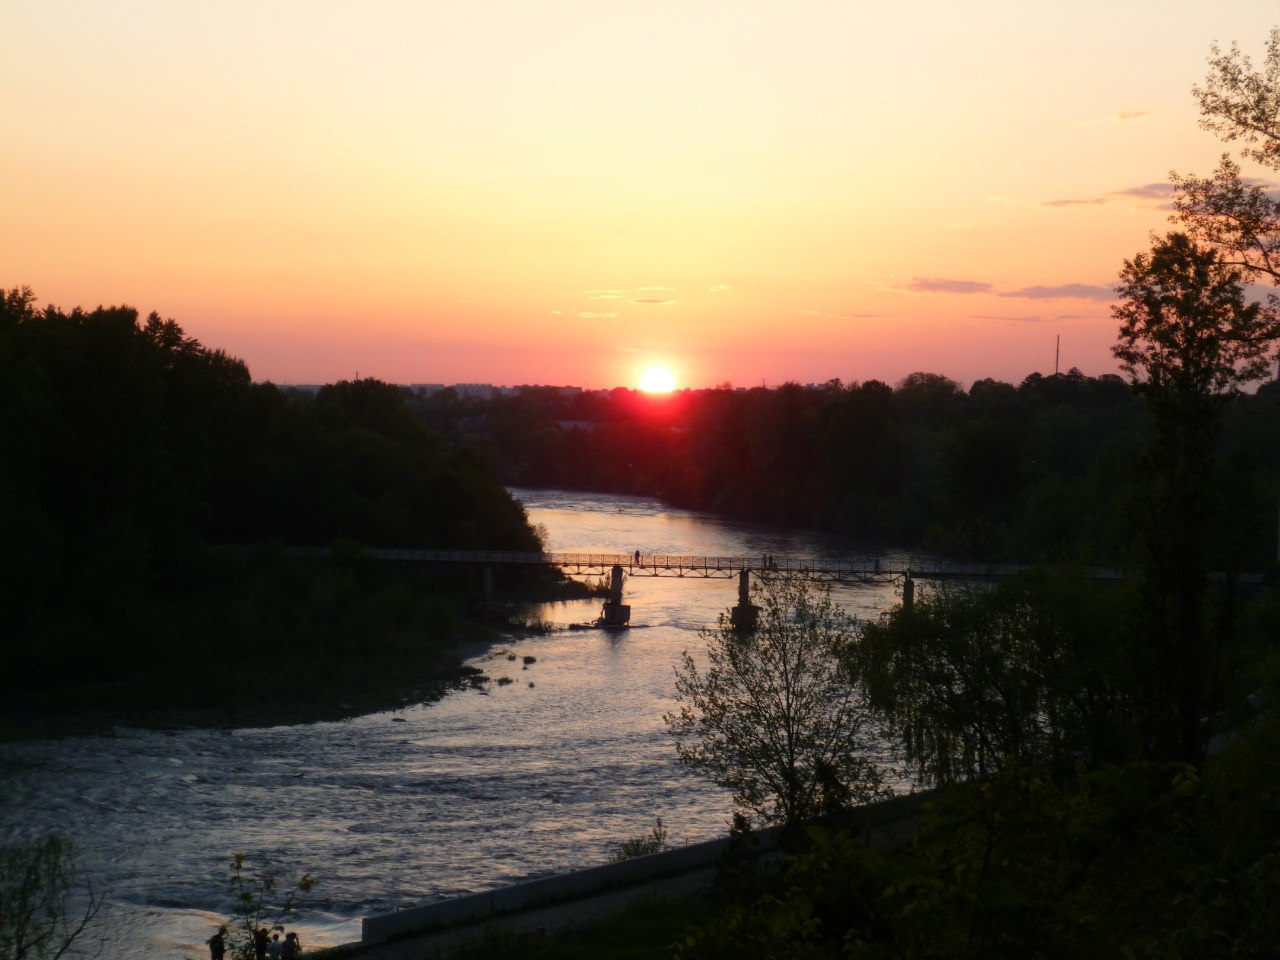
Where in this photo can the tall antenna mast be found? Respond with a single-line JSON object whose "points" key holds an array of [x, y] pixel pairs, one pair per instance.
{"points": [[1057, 349]]}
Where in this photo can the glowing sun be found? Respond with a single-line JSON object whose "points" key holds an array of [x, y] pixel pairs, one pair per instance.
{"points": [[657, 380]]}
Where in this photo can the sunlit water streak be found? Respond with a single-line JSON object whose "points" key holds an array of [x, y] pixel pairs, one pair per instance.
{"points": [[536, 777]]}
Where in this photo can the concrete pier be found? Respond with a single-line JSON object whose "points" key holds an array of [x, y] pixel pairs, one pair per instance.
{"points": [[745, 615], [615, 612]]}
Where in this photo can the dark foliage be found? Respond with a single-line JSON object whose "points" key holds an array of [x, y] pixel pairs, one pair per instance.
{"points": [[1034, 671], [131, 451], [1131, 861], [1189, 338]]}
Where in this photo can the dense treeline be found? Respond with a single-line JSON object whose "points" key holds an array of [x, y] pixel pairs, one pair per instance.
{"points": [[1049, 468], [131, 448], [1106, 786]]}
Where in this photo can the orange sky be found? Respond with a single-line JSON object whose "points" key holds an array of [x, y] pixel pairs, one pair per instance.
{"points": [[571, 190]]}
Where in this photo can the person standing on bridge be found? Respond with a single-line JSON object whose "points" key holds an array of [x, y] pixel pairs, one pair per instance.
{"points": [[637, 558]]}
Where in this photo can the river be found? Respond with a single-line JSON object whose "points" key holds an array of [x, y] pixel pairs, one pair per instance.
{"points": [[538, 776]]}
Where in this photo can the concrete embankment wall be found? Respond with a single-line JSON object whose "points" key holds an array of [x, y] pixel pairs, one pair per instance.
{"points": [[882, 823], [480, 906]]}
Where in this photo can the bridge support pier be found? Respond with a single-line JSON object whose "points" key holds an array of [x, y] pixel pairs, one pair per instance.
{"points": [[745, 614], [615, 612]]}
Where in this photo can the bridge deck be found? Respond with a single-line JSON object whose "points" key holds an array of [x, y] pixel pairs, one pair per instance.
{"points": [[861, 570], [858, 570]]}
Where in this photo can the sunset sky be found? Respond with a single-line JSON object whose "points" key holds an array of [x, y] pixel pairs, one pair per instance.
{"points": [[570, 191]]}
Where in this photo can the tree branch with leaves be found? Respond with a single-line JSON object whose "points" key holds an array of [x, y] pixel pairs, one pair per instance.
{"points": [[46, 904], [774, 716], [1237, 216]]}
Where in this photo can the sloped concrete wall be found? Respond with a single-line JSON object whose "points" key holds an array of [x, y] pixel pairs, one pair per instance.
{"points": [[479, 906], [882, 823]]}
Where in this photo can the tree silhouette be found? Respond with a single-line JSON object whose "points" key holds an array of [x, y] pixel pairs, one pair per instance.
{"points": [[1188, 340]]}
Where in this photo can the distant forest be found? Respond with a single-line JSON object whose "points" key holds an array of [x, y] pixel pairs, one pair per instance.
{"points": [[131, 449], [1050, 468]]}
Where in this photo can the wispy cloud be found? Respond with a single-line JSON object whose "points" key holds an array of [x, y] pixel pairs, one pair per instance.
{"points": [[593, 315], [634, 296], [1148, 191], [1119, 116], [1096, 202], [1004, 319], [1077, 291], [1271, 189], [718, 288], [849, 315], [1162, 192], [1083, 291], [942, 285]]}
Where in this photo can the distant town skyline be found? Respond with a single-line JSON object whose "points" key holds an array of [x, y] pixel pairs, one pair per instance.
{"points": [[574, 192]]}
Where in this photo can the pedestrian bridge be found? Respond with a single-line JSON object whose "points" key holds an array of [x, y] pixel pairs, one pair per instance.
{"points": [[858, 570], [618, 566]]}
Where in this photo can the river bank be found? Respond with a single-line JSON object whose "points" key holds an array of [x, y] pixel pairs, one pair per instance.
{"points": [[253, 657], [101, 710]]}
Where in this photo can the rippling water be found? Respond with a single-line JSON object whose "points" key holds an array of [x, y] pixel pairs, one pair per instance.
{"points": [[539, 776]]}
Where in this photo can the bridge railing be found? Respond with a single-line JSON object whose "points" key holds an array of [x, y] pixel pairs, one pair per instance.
{"points": [[861, 568], [691, 562]]}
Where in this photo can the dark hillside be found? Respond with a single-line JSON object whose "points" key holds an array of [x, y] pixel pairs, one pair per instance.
{"points": [[134, 457]]}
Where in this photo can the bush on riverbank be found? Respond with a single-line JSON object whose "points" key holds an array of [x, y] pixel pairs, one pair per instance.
{"points": [[655, 841]]}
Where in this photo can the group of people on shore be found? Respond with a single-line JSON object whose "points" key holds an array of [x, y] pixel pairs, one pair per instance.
{"points": [[266, 946]]}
